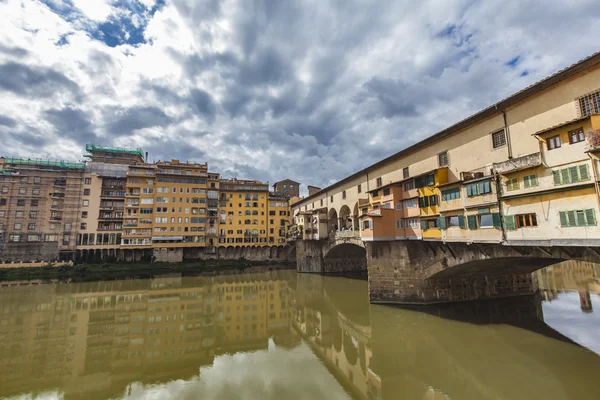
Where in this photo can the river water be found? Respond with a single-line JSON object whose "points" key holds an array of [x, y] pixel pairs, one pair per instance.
{"points": [[282, 335]]}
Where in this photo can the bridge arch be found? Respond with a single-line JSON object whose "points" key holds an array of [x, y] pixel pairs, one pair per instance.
{"points": [[332, 218], [345, 218]]}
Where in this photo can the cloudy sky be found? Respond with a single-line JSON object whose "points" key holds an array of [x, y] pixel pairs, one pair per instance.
{"points": [[313, 90]]}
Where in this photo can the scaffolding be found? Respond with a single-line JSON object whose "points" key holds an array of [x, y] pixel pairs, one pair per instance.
{"points": [[119, 150], [38, 162]]}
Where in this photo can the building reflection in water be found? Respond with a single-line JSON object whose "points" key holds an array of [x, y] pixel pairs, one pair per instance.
{"points": [[121, 338]]}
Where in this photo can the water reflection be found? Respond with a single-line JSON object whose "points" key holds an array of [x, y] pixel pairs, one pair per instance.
{"points": [[279, 335]]}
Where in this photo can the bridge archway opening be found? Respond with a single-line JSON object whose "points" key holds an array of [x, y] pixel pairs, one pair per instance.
{"points": [[345, 218], [345, 257], [332, 218]]}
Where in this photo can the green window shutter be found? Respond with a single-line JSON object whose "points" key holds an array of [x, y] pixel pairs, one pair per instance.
{"points": [[534, 180], [470, 190], [572, 218], [425, 201], [461, 221], [590, 217], [556, 176], [564, 222], [430, 180], [509, 222], [487, 185], [565, 176], [584, 172], [574, 174], [526, 181], [441, 223], [496, 220], [580, 217], [472, 221], [423, 225]]}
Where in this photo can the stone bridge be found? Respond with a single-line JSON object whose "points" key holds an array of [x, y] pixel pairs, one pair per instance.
{"points": [[341, 252], [428, 272]]}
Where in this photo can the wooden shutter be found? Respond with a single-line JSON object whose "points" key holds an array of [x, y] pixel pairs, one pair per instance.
{"points": [[472, 221], [470, 190], [564, 222], [565, 176], [572, 218], [590, 217], [584, 172], [580, 217], [461, 221], [534, 180], [526, 181], [496, 220], [556, 175], [574, 174], [509, 222], [423, 225]]}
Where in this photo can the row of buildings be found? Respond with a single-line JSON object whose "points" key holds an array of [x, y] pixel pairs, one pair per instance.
{"points": [[525, 171], [116, 205]]}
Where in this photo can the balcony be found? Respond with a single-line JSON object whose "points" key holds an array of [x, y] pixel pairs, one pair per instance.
{"points": [[55, 218], [60, 182], [130, 225], [57, 195], [519, 163], [476, 173]]}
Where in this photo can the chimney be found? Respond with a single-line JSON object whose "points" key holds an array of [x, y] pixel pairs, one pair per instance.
{"points": [[146, 157]]}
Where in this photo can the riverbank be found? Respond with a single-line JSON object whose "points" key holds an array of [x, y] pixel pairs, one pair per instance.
{"points": [[101, 271]]}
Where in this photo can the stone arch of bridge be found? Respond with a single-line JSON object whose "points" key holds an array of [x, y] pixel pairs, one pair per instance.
{"points": [[332, 218], [345, 218], [345, 257]]}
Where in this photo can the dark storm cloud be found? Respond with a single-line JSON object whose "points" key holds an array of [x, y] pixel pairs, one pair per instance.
{"points": [[125, 121], [72, 123], [8, 122], [13, 51], [29, 137], [38, 82], [204, 104]]}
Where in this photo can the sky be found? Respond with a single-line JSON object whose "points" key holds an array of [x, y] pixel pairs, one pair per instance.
{"points": [[311, 90]]}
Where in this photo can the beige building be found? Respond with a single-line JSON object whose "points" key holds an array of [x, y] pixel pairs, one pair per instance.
{"points": [[474, 151]]}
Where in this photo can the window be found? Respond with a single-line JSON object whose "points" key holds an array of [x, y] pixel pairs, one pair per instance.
{"points": [[577, 218], [35, 191], [20, 202], [32, 214], [458, 220], [2, 213], [343, 194], [410, 203], [86, 192], [409, 185], [443, 159], [86, 203], [359, 188], [399, 224], [83, 225], [22, 190], [553, 142], [331, 199], [530, 181], [37, 179], [31, 227], [386, 192], [576, 136], [405, 174], [524, 220], [512, 184], [479, 188], [379, 182], [387, 204], [19, 214], [84, 214], [398, 206], [574, 174], [88, 181], [499, 139], [34, 203], [18, 226], [412, 223], [589, 104], [367, 224], [451, 194], [2, 202]]}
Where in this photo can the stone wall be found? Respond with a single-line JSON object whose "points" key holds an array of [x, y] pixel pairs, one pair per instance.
{"points": [[23, 252], [254, 253], [168, 255], [400, 272], [309, 256]]}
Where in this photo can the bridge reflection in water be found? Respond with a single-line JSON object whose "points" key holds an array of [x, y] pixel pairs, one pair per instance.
{"points": [[285, 335]]}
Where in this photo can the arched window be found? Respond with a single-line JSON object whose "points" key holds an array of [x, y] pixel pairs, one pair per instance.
{"points": [[254, 222], [91, 240], [254, 212], [247, 222], [248, 212]]}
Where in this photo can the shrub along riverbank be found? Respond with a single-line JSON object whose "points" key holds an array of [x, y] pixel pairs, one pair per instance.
{"points": [[100, 271]]}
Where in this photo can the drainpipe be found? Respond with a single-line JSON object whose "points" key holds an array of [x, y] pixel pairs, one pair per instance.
{"points": [[507, 131], [500, 209]]}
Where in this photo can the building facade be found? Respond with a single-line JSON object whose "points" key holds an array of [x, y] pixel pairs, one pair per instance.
{"points": [[522, 171]]}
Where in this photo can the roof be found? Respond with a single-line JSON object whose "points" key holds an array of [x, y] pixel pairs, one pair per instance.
{"points": [[562, 125], [93, 147], [495, 109], [286, 180]]}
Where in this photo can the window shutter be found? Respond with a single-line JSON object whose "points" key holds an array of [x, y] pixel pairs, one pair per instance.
{"points": [[526, 181], [423, 225], [487, 185], [470, 190], [590, 217], [534, 180], [563, 219], [580, 217], [509, 222], [565, 176], [472, 221], [574, 173], [496, 220], [461, 221], [584, 172], [442, 223], [430, 180], [572, 218], [556, 176]]}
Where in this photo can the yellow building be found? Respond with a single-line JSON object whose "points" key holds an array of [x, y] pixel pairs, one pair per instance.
{"points": [[550, 197]]}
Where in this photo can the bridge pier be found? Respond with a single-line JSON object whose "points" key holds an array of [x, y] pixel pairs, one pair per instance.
{"points": [[428, 272]]}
